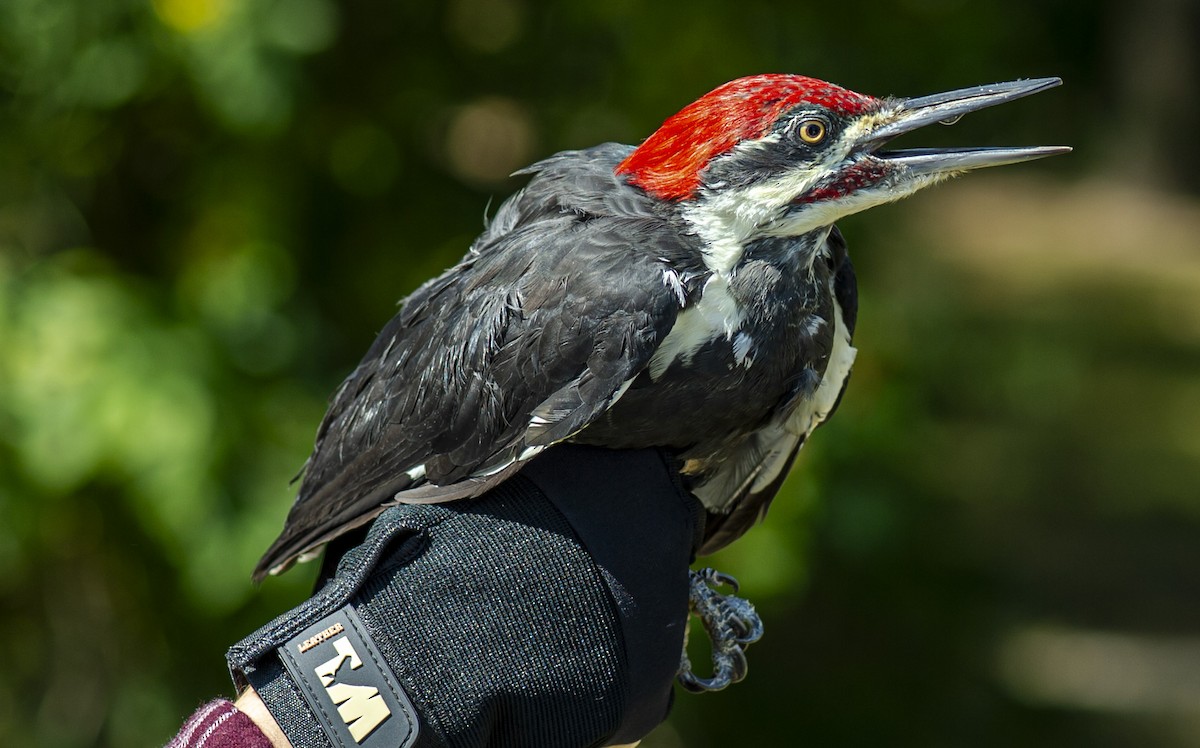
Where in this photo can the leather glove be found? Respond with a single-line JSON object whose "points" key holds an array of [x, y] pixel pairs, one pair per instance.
{"points": [[548, 612]]}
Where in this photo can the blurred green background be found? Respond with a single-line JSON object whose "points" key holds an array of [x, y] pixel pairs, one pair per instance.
{"points": [[208, 207]]}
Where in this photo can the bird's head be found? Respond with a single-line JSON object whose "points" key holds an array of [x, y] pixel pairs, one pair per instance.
{"points": [[783, 155]]}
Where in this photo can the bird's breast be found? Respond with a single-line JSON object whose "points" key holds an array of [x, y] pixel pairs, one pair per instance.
{"points": [[715, 317], [724, 369]]}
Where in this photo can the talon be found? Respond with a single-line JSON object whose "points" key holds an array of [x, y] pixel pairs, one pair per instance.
{"points": [[693, 684], [741, 629], [739, 666], [719, 578], [731, 624]]}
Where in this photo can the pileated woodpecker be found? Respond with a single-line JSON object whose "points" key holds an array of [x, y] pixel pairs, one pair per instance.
{"points": [[691, 293]]}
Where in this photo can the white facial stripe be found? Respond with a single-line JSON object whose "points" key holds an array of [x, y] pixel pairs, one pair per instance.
{"points": [[729, 218], [827, 212], [726, 218]]}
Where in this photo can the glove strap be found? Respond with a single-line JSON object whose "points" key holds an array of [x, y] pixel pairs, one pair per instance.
{"points": [[290, 680], [346, 681]]}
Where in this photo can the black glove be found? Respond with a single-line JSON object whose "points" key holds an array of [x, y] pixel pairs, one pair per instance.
{"points": [[549, 612]]}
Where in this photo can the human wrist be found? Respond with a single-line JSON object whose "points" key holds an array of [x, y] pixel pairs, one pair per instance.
{"points": [[253, 707]]}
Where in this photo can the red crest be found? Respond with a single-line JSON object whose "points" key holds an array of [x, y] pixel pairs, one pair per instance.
{"points": [[668, 163]]}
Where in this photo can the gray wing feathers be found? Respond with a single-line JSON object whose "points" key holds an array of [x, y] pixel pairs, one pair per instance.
{"points": [[523, 343]]}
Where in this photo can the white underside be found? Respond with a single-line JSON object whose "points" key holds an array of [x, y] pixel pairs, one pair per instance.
{"points": [[767, 452], [812, 412]]}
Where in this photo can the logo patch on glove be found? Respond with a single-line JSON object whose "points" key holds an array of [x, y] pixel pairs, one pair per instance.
{"points": [[352, 692]]}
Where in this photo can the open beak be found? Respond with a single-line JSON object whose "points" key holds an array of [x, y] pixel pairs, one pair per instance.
{"points": [[947, 108]]}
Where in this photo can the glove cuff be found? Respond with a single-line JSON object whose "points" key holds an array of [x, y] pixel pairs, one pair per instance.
{"points": [[316, 666]]}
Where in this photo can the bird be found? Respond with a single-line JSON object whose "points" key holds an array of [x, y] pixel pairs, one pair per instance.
{"points": [[692, 293]]}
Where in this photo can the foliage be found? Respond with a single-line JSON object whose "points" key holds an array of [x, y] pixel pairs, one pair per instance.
{"points": [[208, 206]]}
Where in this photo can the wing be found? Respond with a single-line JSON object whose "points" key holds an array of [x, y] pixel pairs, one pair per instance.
{"points": [[752, 476], [536, 332]]}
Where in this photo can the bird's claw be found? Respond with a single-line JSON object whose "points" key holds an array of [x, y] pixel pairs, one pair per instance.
{"points": [[713, 578], [732, 625]]}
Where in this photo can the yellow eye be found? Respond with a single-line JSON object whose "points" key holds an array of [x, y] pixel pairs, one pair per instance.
{"points": [[812, 131]]}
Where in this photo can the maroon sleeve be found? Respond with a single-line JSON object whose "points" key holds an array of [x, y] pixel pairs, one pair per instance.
{"points": [[219, 724]]}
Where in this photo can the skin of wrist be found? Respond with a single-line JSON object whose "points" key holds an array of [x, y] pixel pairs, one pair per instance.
{"points": [[252, 706]]}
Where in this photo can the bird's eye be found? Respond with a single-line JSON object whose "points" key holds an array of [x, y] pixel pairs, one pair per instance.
{"points": [[812, 131]]}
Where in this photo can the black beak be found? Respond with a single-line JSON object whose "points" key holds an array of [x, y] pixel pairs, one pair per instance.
{"points": [[948, 107]]}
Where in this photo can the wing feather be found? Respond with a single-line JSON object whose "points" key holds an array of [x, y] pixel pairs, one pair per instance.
{"points": [[534, 334]]}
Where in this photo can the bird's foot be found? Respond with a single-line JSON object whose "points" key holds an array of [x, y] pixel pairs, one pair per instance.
{"points": [[732, 625]]}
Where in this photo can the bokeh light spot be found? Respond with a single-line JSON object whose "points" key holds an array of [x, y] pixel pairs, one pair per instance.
{"points": [[301, 26], [106, 73], [488, 140], [188, 16], [486, 25]]}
